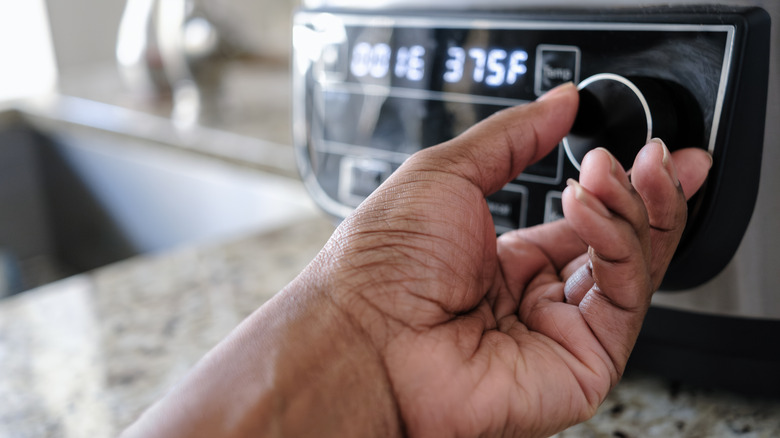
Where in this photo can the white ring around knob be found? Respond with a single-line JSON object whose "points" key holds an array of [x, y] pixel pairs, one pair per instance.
{"points": [[631, 86]]}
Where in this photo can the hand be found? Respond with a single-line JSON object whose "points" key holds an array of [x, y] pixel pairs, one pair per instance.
{"points": [[524, 335], [415, 319]]}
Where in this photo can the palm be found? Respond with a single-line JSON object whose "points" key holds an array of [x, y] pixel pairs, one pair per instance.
{"points": [[463, 355], [521, 335]]}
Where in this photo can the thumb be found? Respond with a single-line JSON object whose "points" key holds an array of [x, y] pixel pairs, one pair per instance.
{"points": [[494, 151]]}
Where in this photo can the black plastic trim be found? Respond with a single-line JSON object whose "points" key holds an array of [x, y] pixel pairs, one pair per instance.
{"points": [[736, 354], [718, 223]]}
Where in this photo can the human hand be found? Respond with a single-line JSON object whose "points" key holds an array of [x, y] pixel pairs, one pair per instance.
{"points": [[415, 319], [521, 335]]}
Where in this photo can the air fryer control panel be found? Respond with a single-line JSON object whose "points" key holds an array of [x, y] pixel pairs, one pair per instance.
{"points": [[373, 89]]}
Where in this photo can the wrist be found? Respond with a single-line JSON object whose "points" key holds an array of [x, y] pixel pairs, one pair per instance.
{"points": [[296, 367], [329, 380]]}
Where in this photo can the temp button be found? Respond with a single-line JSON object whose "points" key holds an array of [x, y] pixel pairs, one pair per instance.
{"points": [[555, 65]]}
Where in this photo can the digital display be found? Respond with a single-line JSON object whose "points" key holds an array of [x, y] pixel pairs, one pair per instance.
{"points": [[374, 60], [493, 67], [481, 62]]}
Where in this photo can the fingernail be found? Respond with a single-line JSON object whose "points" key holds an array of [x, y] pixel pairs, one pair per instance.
{"points": [[613, 167], [616, 170], [555, 91], [709, 155], [586, 199], [666, 161]]}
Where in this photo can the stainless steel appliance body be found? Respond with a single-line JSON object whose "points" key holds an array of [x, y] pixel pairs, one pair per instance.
{"points": [[374, 82]]}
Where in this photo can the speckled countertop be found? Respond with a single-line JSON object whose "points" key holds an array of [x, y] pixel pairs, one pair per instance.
{"points": [[84, 356]]}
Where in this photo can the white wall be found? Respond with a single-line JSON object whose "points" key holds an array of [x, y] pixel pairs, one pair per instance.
{"points": [[26, 59], [84, 31]]}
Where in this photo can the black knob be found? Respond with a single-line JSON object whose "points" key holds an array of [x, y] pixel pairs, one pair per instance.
{"points": [[621, 115]]}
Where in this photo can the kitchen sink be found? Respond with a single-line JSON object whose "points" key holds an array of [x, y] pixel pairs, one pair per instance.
{"points": [[74, 197]]}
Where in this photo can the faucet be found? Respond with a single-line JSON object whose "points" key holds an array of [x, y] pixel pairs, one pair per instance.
{"points": [[171, 49]]}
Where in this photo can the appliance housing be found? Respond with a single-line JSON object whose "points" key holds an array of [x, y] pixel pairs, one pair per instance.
{"points": [[375, 83]]}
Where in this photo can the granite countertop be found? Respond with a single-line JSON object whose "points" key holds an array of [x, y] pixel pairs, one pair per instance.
{"points": [[83, 357], [86, 355]]}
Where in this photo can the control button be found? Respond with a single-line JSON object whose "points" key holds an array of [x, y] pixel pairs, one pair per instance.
{"points": [[623, 114], [360, 177], [547, 170], [324, 39], [508, 208], [332, 64], [553, 207], [555, 65], [613, 114]]}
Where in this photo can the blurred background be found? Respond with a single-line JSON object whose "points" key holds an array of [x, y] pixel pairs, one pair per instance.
{"points": [[138, 54], [149, 198], [133, 127], [132, 54]]}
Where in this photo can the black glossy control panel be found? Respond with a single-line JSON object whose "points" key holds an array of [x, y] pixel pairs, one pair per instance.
{"points": [[373, 89]]}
